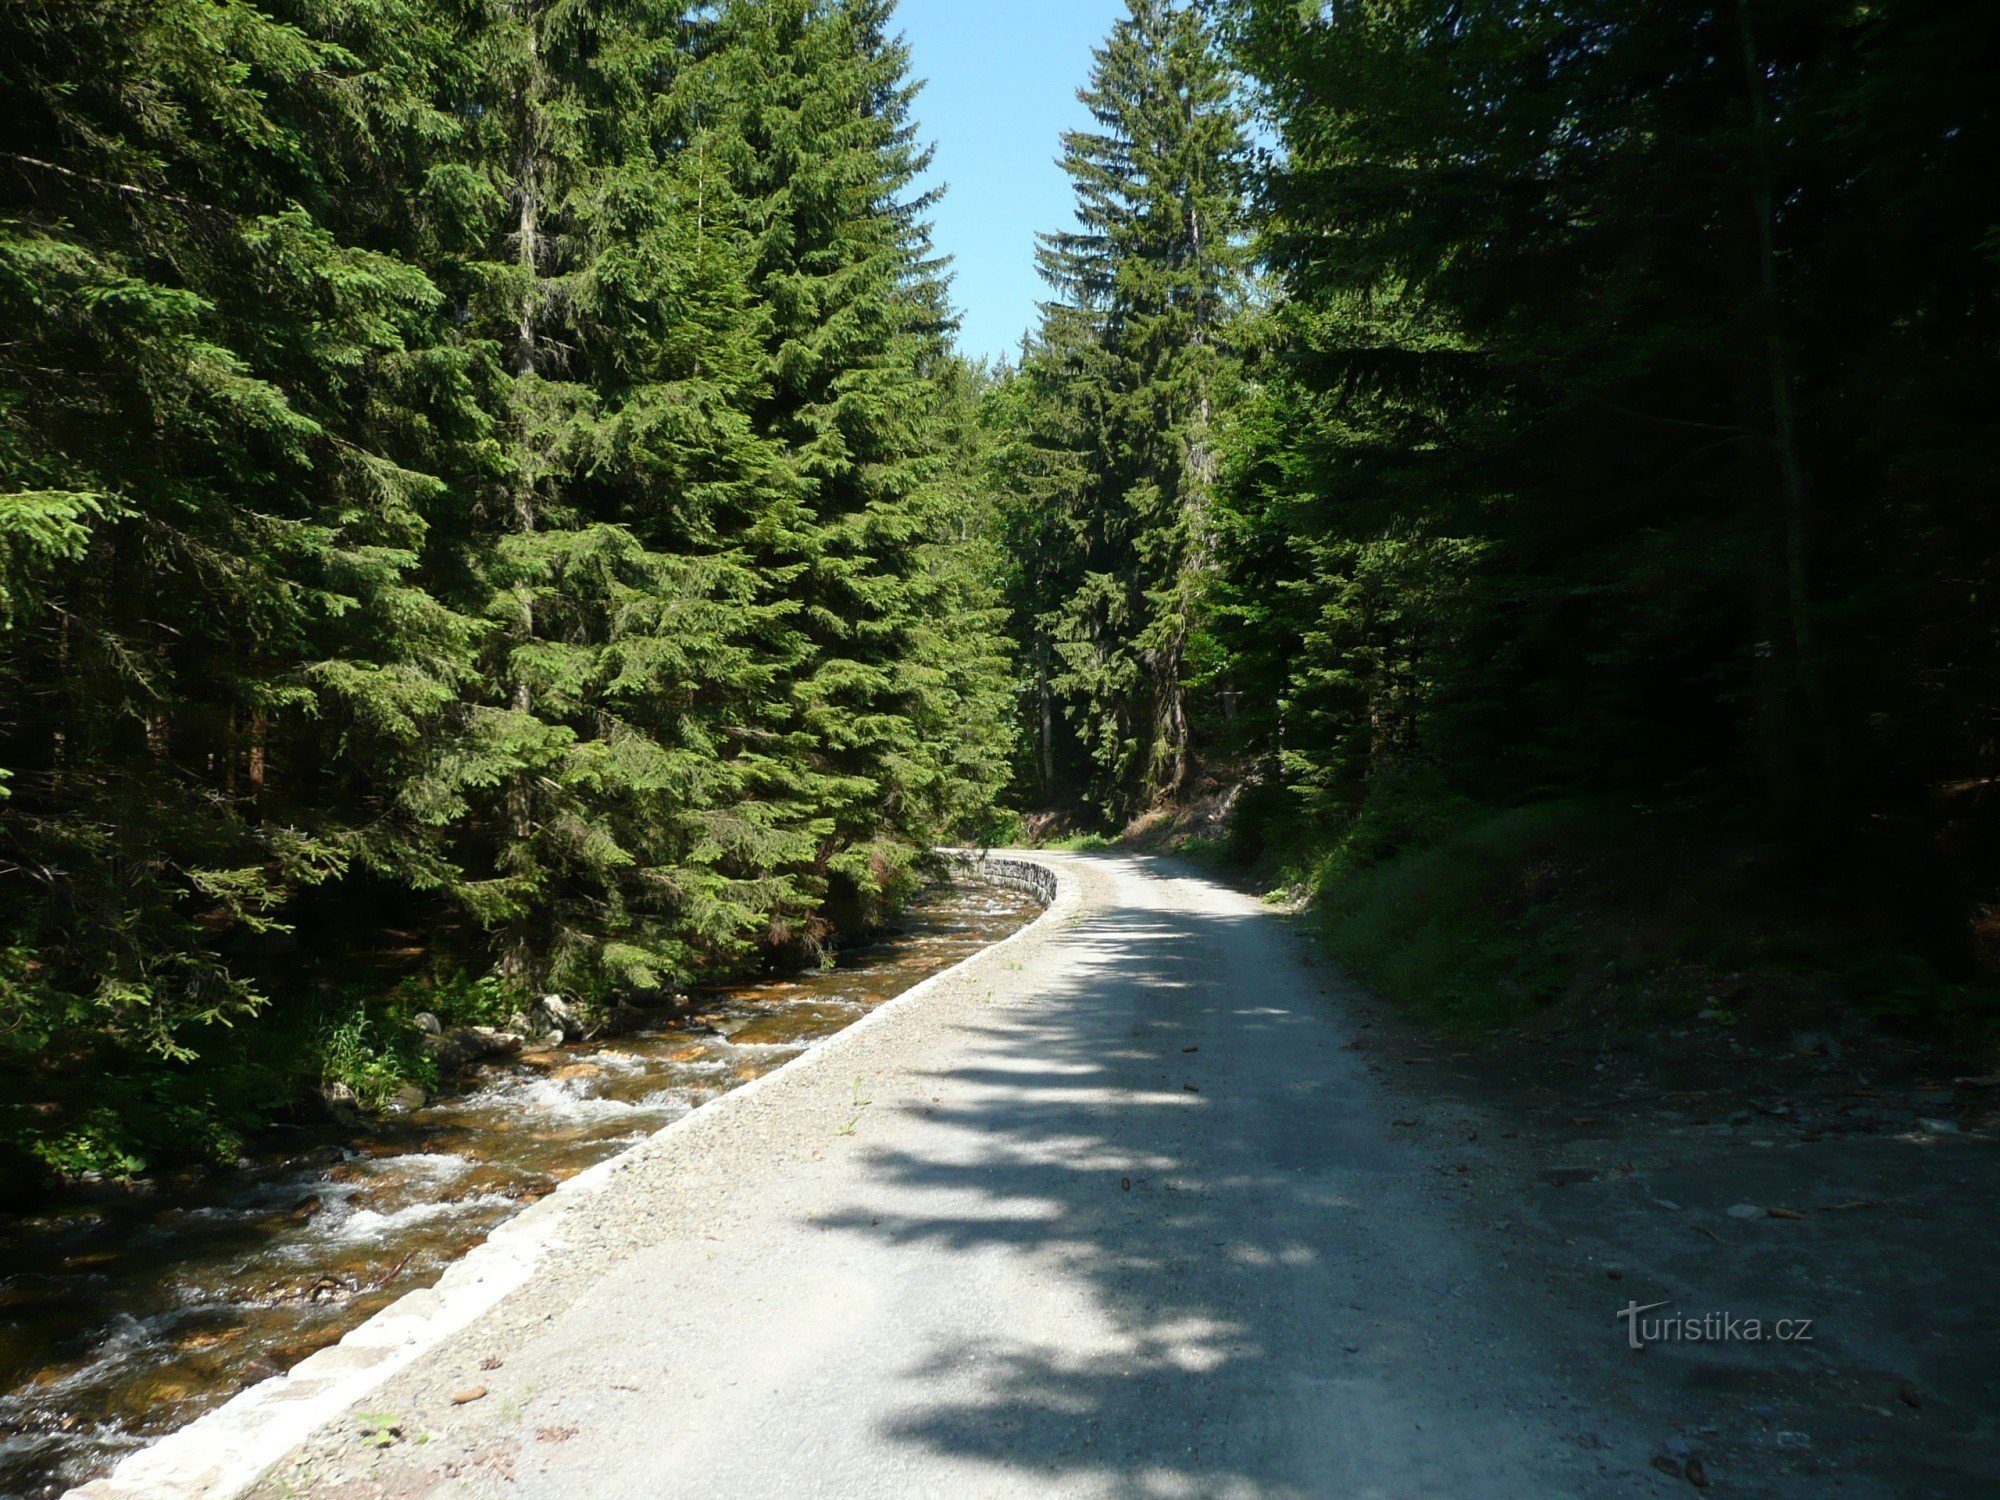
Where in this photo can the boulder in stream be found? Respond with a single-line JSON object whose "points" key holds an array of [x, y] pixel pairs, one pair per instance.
{"points": [[463, 1046], [622, 1020], [338, 1100], [552, 1013]]}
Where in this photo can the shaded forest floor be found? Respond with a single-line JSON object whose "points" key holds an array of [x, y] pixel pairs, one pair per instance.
{"points": [[1718, 1177]]}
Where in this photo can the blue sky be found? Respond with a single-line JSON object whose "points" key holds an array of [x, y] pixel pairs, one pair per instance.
{"points": [[1002, 81]]}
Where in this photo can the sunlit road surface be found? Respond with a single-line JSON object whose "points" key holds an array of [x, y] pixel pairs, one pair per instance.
{"points": [[1108, 1211]]}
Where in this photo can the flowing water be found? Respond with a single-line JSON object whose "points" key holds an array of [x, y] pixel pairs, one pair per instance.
{"points": [[124, 1319]]}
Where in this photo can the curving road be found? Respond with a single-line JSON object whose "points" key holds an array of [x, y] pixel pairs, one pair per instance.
{"points": [[1105, 1211]]}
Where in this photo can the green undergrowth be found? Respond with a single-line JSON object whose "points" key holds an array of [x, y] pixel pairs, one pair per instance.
{"points": [[117, 1112], [114, 1110], [1457, 920], [1590, 913], [1081, 843]]}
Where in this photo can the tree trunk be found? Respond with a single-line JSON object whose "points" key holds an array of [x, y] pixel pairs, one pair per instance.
{"points": [[516, 961], [59, 743], [1811, 751], [259, 735], [1048, 724]]}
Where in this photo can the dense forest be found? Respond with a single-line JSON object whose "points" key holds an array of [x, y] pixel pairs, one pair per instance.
{"points": [[490, 505], [1535, 463], [485, 479]]}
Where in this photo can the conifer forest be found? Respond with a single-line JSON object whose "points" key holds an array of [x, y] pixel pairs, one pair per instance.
{"points": [[493, 505]]}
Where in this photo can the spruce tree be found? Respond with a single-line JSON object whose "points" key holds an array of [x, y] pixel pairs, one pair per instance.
{"points": [[220, 396], [1149, 282], [496, 471], [813, 105], [1612, 475], [616, 835]]}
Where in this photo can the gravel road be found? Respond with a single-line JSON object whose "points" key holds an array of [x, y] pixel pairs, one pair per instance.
{"points": [[1107, 1210]]}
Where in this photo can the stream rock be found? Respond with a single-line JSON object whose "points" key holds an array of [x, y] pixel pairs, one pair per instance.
{"points": [[554, 1014], [338, 1100], [463, 1046], [622, 1020], [409, 1097]]}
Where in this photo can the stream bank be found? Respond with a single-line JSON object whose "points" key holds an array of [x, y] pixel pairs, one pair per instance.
{"points": [[126, 1318]]}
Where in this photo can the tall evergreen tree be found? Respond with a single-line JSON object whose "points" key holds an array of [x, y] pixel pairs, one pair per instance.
{"points": [[1599, 462], [813, 106], [612, 845], [1135, 358], [223, 399], [1641, 465], [492, 470]]}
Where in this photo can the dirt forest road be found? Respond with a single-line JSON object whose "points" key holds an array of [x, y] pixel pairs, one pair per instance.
{"points": [[1116, 1209]]}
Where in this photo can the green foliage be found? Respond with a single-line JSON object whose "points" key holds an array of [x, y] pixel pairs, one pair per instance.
{"points": [[1592, 457], [1569, 411], [493, 472], [1082, 843], [370, 1050], [1107, 453], [1604, 443], [459, 998], [1436, 907]]}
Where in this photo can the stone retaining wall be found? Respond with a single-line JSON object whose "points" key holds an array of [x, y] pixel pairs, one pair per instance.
{"points": [[1036, 880]]}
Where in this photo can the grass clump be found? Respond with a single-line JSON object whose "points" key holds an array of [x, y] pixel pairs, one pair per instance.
{"points": [[1457, 922], [1591, 912], [1081, 843]]}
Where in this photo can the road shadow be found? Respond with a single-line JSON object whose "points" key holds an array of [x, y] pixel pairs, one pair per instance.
{"points": [[1263, 1302]]}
